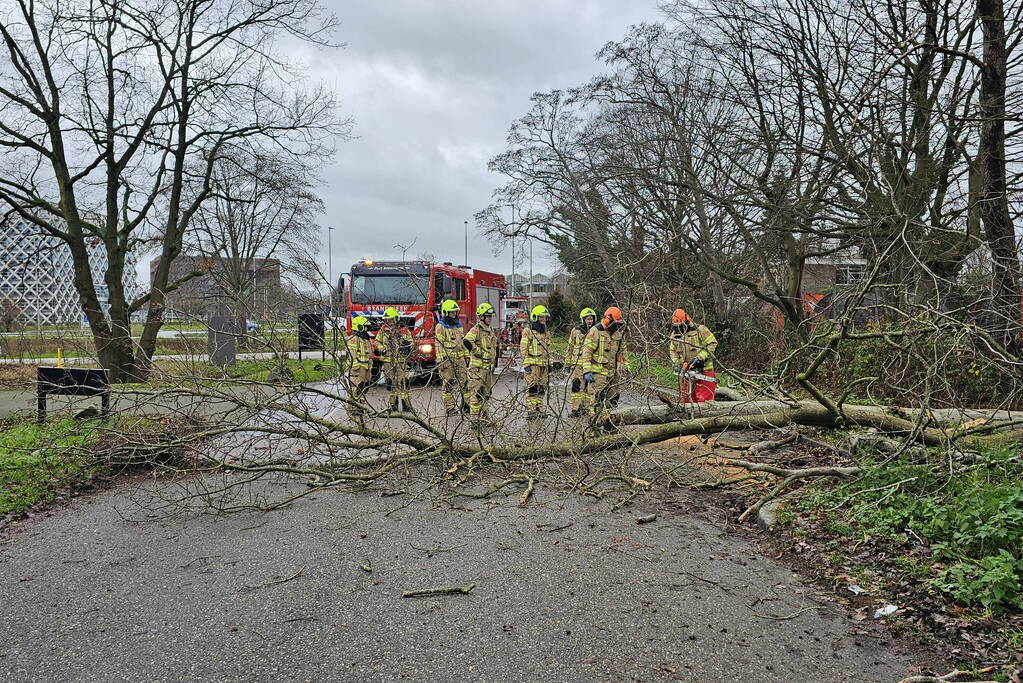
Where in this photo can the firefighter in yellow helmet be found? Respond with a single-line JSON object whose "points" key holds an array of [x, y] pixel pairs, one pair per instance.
{"points": [[394, 344], [535, 347], [359, 346], [579, 399], [452, 357], [604, 363], [481, 342]]}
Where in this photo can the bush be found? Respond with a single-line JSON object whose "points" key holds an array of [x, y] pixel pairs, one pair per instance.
{"points": [[973, 522], [947, 368]]}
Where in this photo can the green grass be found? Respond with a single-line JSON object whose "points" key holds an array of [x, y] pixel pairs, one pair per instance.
{"points": [[972, 523], [37, 461], [306, 370]]}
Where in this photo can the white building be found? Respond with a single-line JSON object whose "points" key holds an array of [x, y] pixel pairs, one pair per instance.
{"points": [[37, 275]]}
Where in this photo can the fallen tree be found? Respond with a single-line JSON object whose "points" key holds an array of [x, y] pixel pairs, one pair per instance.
{"points": [[296, 431]]}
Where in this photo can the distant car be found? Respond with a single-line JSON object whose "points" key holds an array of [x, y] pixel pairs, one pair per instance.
{"points": [[251, 325]]}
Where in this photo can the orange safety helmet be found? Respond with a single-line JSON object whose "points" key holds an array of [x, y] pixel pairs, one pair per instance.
{"points": [[680, 316], [612, 314]]}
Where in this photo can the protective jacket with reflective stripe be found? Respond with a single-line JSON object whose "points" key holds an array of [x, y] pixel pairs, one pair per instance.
{"points": [[698, 342], [603, 352], [535, 347], [483, 342], [360, 351], [449, 340], [394, 344]]}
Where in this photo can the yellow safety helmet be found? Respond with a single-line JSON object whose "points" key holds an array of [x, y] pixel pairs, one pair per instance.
{"points": [[484, 309], [391, 313], [538, 311], [586, 313], [359, 323], [449, 306]]}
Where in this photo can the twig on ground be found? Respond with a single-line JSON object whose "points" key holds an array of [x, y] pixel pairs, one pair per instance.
{"points": [[787, 616], [274, 583], [446, 590]]}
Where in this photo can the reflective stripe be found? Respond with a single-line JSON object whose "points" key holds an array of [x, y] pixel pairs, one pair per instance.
{"points": [[535, 348]]}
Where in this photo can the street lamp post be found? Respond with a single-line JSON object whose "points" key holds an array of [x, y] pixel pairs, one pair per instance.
{"points": [[330, 273], [466, 225], [330, 288]]}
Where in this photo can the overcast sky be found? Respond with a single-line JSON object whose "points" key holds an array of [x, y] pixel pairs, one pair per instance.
{"points": [[433, 86]]}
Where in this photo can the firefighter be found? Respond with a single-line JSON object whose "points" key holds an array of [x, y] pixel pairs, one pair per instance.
{"points": [[394, 344], [536, 360], [451, 357], [692, 349], [579, 399], [360, 365], [604, 362], [481, 342]]}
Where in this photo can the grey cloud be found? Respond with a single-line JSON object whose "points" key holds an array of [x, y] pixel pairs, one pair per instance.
{"points": [[433, 87]]}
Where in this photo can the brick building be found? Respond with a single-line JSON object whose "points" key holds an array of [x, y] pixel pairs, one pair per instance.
{"points": [[253, 283]]}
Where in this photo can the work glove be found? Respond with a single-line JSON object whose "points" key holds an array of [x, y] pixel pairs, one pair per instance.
{"points": [[587, 377], [529, 369], [696, 364], [677, 369]]}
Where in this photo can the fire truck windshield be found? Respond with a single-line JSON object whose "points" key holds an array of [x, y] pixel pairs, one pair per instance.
{"points": [[390, 289]]}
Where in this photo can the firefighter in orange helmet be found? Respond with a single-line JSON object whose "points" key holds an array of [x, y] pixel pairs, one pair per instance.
{"points": [[691, 348], [605, 361]]}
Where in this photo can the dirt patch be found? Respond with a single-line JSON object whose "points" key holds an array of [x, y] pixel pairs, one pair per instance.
{"points": [[17, 375]]}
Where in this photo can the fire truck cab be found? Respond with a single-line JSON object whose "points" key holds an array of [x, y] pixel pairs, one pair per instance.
{"points": [[416, 289]]}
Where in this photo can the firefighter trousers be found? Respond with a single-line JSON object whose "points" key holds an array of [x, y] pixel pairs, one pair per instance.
{"points": [[396, 376], [579, 399], [604, 393], [359, 380], [481, 383], [454, 381], [537, 379]]}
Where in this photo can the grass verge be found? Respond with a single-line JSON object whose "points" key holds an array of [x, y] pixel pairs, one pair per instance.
{"points": [[940, 540], [41, 464], [39, 461]]}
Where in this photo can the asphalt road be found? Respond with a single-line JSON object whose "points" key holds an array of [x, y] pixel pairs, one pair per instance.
{"points": [[564, 591]]}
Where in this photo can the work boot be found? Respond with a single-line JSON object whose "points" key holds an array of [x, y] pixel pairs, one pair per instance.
{"points": [[406, 406]]}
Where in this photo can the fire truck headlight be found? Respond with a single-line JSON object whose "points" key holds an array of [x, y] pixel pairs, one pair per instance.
{"points": [[425, 348]]}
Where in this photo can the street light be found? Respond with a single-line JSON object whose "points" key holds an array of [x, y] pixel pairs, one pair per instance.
{"points": [[330, 274], [466, 261]]}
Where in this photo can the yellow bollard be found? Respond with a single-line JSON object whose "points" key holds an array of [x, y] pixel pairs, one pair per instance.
{"points": [[60, 358]]}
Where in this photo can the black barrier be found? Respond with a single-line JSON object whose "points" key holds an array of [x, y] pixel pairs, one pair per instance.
{"points": [[72, 382], [310, 333]]}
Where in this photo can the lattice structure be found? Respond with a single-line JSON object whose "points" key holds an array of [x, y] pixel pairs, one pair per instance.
{"points": [[37, 275]]}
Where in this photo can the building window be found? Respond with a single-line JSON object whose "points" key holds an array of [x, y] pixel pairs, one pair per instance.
{"points": [[849, 273]]}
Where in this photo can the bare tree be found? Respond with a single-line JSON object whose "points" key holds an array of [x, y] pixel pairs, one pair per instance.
{"points": [[110, 111], [260, 221], [10, 315]]}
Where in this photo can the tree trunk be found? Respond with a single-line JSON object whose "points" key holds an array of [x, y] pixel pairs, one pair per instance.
{"points": [[994, 205]]}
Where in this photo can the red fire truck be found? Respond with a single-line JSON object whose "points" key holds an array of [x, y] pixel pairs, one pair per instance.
{"points": [[416, 289]]}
